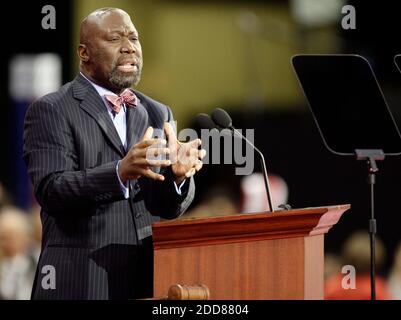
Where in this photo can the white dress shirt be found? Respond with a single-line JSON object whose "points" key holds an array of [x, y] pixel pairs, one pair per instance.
{"points": [[119, 121]]}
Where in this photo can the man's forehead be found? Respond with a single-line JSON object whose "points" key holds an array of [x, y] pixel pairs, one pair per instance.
{"points": [[121, 28], [105, 21], [115, 19]]}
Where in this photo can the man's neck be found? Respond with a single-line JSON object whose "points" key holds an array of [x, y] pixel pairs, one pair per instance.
{"points": [[91, 79]]}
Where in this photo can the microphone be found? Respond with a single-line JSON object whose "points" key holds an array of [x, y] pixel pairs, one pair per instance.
{"points": [[203, 121], [222, 119]]}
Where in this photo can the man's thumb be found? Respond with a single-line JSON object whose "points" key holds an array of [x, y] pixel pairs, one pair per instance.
{"points": [[148, 134]]}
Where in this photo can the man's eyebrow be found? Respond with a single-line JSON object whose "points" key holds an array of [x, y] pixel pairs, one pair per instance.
{"points": [[131, 32]]}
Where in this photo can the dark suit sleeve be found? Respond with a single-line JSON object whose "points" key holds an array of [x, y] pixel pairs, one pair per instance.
{"points": [[161, 197], [52, 162]]}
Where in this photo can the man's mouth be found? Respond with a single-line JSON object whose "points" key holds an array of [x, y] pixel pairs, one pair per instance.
{"points": [[128, 67]]}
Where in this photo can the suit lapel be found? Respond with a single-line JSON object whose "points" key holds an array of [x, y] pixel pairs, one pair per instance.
{"points": [[137, 123], [93, 104]]}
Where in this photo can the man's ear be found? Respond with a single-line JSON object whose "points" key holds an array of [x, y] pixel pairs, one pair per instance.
{"points": [[83, 53]]}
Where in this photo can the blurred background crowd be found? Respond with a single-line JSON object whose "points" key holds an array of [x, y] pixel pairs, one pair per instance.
{"points": [[199, 55]]}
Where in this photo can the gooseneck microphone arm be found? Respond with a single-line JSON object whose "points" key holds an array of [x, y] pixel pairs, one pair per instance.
{"points": [[262, 163], [222, 119]]}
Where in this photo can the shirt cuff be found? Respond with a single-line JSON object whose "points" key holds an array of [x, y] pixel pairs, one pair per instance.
{"points": [[124, 187], [178, 188]]}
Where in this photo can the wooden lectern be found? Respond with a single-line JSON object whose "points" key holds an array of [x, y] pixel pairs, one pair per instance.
{"points": [[264, 255]]}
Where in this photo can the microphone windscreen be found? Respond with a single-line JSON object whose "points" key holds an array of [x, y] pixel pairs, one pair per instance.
{"points": [[221, 118], [203, 121]]}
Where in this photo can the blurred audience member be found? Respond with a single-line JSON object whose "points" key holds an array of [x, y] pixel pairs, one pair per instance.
{"points": [[356, 253], [17, 266], [218, 201], [332, 265], [4, 198], [394, 279], [36, 226], [254, 192]]}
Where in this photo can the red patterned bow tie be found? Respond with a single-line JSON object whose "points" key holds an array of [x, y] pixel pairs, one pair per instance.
{"points": [[127, 97]]}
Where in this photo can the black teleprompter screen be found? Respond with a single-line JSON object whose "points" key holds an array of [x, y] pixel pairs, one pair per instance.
{"points": [[347, 103]]}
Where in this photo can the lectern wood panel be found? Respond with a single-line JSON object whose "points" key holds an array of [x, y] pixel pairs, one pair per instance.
{"points": [[255, 256]]}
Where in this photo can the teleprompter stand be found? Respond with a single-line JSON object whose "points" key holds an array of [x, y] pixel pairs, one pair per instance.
{"points": [[371, 156], [352, 117]]}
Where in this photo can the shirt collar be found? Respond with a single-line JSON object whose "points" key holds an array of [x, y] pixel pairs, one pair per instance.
{"points": [[100, 90]]}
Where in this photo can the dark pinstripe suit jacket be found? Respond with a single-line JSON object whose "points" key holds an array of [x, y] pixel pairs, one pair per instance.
{"points": [[90, 231]]}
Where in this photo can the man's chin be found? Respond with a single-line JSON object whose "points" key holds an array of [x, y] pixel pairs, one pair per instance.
{"points": [[125, 81]]}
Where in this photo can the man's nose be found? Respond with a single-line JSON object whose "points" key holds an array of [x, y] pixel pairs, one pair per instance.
{"points": [[128, 47]]}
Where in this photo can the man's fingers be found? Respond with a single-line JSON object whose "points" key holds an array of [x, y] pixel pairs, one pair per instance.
{"points": [[191, 145], [168, 129], [153, 152], [199, 165], [159, 163], [148, 133], [195, 169], [201, 154], [152, 175], [172, 140], [150, 142], [190, 173], [153, 163], [195, 143]]}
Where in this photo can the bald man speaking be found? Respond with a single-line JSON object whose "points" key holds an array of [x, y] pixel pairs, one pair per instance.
{"points": [[87, 150]]}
